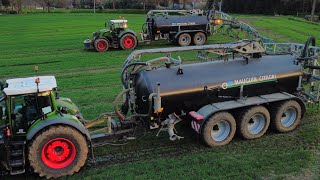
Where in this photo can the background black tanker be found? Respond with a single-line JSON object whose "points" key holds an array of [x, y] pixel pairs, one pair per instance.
{"points": [[183, 30]]}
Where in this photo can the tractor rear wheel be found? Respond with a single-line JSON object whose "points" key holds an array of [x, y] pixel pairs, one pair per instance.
{"points": [[184, 39], [219, 129], [199, 38], [128, 41], [101, 45], [58, 151]]}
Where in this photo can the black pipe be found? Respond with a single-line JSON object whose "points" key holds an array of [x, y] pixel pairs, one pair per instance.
{"points": [[312, 40], [125, 68]]}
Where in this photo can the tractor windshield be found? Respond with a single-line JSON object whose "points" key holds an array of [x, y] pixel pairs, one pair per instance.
{"points": [[118, 24]]}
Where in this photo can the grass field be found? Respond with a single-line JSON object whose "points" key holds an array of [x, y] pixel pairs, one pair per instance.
{"points": [[92, 81]]}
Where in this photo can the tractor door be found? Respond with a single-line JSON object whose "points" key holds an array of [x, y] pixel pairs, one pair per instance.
{"points": [[20, 105], [3, 117], [25, 109]]}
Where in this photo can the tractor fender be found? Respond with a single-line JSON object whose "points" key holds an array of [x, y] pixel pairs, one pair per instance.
{"points": [[60, 121], [125, 32], [189, 32]]}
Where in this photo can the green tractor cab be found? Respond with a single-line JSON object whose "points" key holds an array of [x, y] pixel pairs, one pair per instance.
{"points": [[40, 129], [115, 35]]}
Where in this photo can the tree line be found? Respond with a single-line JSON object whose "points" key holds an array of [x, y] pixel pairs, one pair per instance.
{"points": [[273, 7]]}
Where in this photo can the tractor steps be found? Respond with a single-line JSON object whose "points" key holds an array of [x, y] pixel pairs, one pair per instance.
{"points": [[16, 157], [16, 163]]}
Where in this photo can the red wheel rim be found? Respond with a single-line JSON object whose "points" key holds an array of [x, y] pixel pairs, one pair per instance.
{"points": [[128, 42], [58, 153], [102, 45]]}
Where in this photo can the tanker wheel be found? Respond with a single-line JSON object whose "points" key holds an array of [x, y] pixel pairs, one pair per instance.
{"points": [[199, 38], [219, 129], [128, 41], [286, 116], [58, 151], [253, 122], [101, 45], [184, 39]]}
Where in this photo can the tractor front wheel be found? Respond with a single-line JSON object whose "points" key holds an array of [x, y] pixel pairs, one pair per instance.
{"points": [[58, 151], [101, 45], [128, 41]]}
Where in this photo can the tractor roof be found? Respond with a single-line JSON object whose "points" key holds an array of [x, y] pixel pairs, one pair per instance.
{"points": [[119, 21], [28, 85]]}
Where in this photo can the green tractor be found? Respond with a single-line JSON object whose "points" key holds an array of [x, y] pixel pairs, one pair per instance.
{"points": [[40, 130], [115, 35]]}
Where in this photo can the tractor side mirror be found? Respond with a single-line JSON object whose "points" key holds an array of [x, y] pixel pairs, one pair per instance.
{"points": [[13, 116], [1, 85], [1, 113]]}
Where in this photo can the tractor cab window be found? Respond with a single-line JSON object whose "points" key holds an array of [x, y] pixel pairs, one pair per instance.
{"points": [[118, 25], [3, 110], [28, 108]]}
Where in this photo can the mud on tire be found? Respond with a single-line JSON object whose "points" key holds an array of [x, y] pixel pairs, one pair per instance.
{"points": [[285, 116], [101, 45], [128, 41], [58, 151], [219, 129], [253, 122]]}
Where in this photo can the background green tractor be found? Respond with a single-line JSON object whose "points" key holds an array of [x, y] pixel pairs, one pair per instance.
{"points": [[40, 130], [115, 35]]}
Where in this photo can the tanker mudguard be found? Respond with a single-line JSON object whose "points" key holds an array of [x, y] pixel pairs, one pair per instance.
{"points": [[208, 110], [62, 121], [125, 32]]}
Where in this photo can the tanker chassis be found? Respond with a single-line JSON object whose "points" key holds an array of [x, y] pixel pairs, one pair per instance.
{"points": [[192, 27], [246, 95]]}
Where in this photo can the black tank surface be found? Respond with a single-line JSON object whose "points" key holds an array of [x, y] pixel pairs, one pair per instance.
{"points": [[204, 83], [172, 23]]}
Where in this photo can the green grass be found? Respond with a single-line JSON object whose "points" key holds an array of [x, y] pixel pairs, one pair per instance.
{"points": [[92, 81]]}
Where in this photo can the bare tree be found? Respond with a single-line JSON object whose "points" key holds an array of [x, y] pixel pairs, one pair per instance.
{"points": [[313, 9], [46, 3], [184, 4], [17, 4]]}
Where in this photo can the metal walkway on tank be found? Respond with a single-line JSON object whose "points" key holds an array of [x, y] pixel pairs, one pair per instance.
{"points": [[232, 27]]}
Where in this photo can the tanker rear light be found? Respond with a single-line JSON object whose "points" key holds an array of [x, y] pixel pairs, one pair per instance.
{"points": [[196, 115], [218, 21]]}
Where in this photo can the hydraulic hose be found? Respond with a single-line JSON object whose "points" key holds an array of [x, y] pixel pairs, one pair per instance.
{"points": [[116, 102], [149, 111], [125, 69], [310, 40]]}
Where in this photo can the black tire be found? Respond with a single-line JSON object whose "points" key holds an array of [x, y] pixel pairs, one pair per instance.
{"points": [[128, 41], [101, 45], [285, 116], [54, 138], [223, 122], [184, 39], [199, 38], [253, 122]]}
